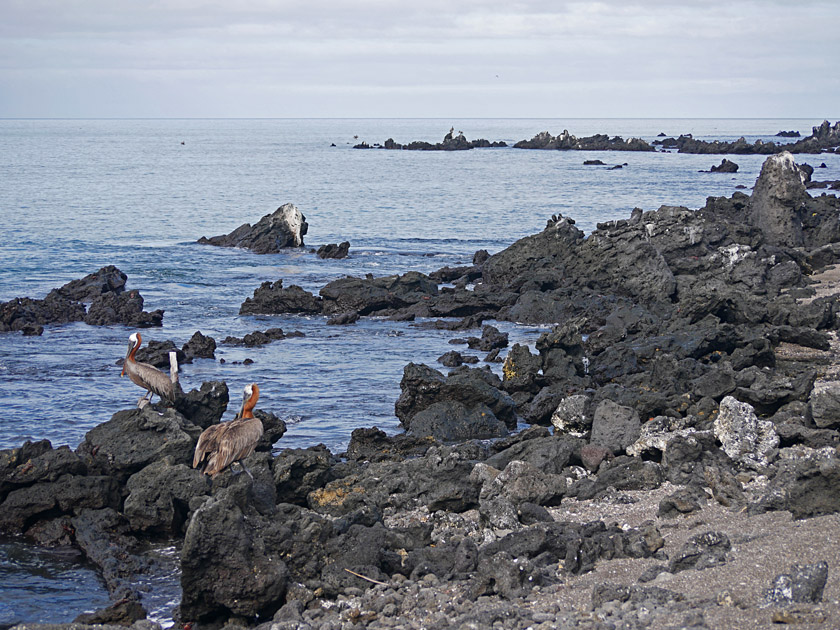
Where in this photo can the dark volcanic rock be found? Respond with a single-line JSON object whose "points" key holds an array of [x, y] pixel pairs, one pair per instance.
{"points": [[271, 298], [283, 228], [806, 488], [804, 584], [297, 472], [726, 166], [257, 338], [472, 389], [614, 427], [701, 552], [451, 421], [159, 497], [204, 406], [451, 142], [599, 142], [491, 338], [823, 137], [109, 304], [107, 280], [440, 479], [102, 534], [251, 580], [374, 445], [135, 438], [368, 295], [157, 353], [343, 319], [122, 308], [334, 251], [199, 347], [66, 495]]}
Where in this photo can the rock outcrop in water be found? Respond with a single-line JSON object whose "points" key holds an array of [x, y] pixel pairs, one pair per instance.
{"points": [[451, 142], [691, 382], [568, 142], [98, 299], [283, 228], [825, 137]]}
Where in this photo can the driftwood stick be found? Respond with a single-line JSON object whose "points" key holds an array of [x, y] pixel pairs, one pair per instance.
{"points": [[359, 575]]}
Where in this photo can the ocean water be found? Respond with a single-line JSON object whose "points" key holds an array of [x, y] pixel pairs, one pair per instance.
{"points": [[76, 195]]}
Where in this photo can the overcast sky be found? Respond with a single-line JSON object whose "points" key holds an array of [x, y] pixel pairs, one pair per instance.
{"points": [[419, 58]]}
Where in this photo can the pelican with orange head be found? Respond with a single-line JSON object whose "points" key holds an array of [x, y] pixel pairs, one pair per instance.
{"points": [[225, 443]]}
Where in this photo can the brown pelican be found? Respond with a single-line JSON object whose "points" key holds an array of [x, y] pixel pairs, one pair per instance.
{"points": [[220, 445], [148, 376]]}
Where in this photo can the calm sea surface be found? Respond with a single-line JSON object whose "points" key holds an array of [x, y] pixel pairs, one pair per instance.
{"points": [[76, 195]]}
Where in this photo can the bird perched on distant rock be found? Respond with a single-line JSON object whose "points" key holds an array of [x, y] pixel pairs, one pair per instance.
{"points": [[148, 376], [223, 444]]}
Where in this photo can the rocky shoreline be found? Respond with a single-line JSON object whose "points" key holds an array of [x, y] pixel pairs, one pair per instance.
{"points": [[681, 468]]}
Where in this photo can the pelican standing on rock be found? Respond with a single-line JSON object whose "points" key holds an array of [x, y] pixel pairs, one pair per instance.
{"points": [[220, 445], [148, 376]]}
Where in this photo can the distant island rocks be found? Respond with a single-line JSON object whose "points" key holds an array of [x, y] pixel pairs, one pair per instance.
{"points": [[451, 142], [824, 138]]}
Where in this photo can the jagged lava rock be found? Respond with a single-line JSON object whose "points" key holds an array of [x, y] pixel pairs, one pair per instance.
{"points": [[283, 228], [272, 298], [778, 199], [334, 251]]}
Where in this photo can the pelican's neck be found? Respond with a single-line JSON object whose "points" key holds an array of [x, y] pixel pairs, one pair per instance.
{"points": [[129, 356], [134, 348], [249, 403]]}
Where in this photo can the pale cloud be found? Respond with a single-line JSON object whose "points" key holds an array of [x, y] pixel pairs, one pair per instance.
{"points": [[374, 57]]}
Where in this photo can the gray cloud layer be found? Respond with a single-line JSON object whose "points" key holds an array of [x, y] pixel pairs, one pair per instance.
{"points": [[383, 58]]}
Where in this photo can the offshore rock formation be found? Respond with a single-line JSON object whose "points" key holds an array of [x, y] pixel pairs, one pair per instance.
{"points": [[825, 137], [283, 228], [568, 142], [451, 142], [104, 293]]}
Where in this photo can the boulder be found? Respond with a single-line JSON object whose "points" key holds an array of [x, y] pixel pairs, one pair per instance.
{"points": [[702, 551], [452, 421], [550, 454], [104, 290], [423, 386], [204, 406], [368, 295], [334, 251], [573, 415], [133, 439], [777, 201], [199, 346], [122, 308], [746, 439], [803, 584], [283, 228], [108, 279], [825, 403], [256, 338], [614, 426], [271, 298], [229, 565], [726, 166], [66, 495], [297, 472], [159, 497]]}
